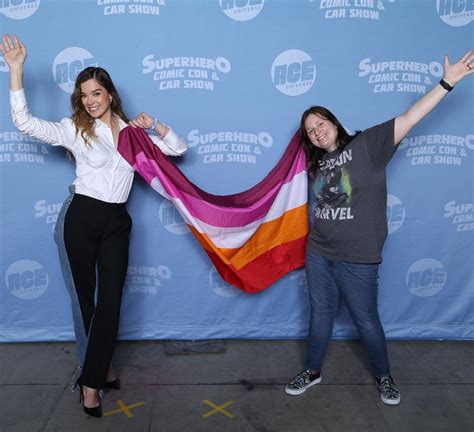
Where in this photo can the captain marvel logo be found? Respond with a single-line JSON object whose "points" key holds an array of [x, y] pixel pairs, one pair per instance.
{"points": [[332, 189]]}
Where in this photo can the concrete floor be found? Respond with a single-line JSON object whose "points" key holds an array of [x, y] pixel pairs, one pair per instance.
{"points": [[241, 389]]}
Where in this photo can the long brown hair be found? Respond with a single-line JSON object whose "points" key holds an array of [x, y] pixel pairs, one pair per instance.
{"points": [[85, 124], [313, 153]]}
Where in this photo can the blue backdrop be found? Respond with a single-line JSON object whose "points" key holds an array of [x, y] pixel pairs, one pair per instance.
{"points": [[249, 67]]}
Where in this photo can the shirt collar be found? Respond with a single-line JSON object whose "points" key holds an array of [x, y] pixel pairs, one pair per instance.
{"points": [[100, 123], [330, 155]]}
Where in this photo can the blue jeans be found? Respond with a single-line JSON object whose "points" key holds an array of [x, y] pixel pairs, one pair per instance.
{"points": [[79, 330], [330, 280]]}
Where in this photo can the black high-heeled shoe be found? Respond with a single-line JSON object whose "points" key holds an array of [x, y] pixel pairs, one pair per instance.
{"points": [[115, 384], [92, 411]]}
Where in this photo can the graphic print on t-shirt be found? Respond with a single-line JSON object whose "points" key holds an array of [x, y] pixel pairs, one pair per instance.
{"points": [[332, 188]]}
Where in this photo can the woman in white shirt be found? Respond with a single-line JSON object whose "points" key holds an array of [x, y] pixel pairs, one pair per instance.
{"points": [[93, 227]]}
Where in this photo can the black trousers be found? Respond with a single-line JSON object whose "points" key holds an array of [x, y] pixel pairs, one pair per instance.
{"points": [[96, 236]]}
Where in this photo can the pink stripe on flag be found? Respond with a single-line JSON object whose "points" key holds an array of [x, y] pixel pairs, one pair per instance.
{"points": [[210, 213]]}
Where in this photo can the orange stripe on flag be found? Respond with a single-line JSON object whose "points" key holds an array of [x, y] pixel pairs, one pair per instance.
{"points": [[292, 225]]}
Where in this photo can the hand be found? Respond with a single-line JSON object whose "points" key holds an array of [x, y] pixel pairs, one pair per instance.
{"points": [[142, 120], [453, 73], [14, 52]]}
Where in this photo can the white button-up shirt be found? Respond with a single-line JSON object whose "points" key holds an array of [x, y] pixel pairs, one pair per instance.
{"points": [[101, 171]]}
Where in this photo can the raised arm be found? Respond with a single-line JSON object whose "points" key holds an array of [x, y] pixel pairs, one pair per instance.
{"points": [[63, 133], [168, 141], [453, 73]]}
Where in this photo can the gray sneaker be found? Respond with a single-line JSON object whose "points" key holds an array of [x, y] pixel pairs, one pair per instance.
{"points": [[388, 391], [301, 382]]}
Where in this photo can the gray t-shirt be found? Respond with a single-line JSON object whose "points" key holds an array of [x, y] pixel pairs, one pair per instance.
{"points": [[350, 218]]}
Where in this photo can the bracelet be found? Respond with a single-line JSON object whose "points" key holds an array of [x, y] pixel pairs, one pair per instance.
{"points": [[153, 125], [167, 129], [448, 87]]}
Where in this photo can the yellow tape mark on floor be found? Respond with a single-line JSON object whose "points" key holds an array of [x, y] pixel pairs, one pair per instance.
{"points": [[218, 408], [124, 408]]}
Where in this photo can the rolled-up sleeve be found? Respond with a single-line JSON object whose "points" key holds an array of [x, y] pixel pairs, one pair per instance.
{"points": [[55, 133], [171, 144]]}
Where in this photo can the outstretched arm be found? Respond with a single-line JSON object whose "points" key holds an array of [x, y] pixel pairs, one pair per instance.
{"points": [[14, 53], [453, 73], [63, 133]]}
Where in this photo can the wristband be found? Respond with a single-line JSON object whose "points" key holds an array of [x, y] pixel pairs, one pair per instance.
{"points": [[445, 85], [153, 125], [167, 129]]}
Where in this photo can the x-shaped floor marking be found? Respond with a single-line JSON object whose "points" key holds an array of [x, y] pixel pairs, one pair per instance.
{"points": [[218, 408], [124, 408]]}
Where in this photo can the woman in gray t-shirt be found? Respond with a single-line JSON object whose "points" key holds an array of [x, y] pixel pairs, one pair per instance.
{"points": [[350, 226]]}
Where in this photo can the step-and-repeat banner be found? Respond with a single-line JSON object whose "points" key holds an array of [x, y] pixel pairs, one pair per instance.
{"points": [[232, 77]]}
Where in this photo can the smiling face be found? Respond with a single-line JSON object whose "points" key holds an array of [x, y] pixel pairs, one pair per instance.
{"points": [[321, 132], [96, 100]]}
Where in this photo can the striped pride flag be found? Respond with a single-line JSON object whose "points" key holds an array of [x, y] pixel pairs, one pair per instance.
{"points": [[253, 237]]}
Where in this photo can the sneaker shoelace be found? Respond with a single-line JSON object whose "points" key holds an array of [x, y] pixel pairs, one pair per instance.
{"points": [[302, 379], [387, 387]]}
